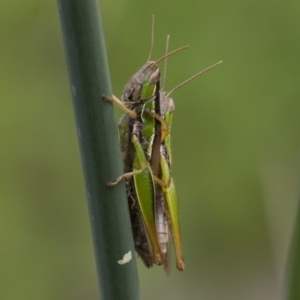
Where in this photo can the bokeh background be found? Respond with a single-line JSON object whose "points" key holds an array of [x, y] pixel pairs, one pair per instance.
{"points": [[235, 146]]}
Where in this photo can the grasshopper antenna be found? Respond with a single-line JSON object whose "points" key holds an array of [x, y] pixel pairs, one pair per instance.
{"points": [[152, 39], [193, 77], [170, 53], [165, 66]]}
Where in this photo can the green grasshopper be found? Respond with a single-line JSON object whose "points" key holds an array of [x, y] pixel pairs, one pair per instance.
{"points": [[171, 212], [138, 96]]}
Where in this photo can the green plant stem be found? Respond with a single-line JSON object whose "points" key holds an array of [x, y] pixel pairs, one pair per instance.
{"points": [[99, 147], [292, 280]]}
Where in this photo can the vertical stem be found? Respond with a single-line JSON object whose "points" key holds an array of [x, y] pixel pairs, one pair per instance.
{"points": [[292, 280], [100, 153]]}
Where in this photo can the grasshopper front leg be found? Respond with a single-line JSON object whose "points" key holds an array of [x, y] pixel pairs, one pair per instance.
{"points": [[114, 100]]}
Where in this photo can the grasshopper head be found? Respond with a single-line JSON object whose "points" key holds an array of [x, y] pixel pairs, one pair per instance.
{"points": [[141, 87], [166, 103]]}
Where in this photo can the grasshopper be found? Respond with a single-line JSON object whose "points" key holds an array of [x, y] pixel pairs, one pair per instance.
{"points": [[135, 129]]}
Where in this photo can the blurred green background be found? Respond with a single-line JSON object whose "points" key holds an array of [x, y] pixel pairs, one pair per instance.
{"points": [[235, 146]]}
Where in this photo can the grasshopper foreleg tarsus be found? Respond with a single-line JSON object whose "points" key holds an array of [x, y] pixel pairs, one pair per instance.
{"points": [[112, 99], [106, 98]]}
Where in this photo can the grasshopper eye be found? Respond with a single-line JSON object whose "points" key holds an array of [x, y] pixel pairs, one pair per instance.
{"points": [[155, 76], [135, 95], [171, 104]]}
